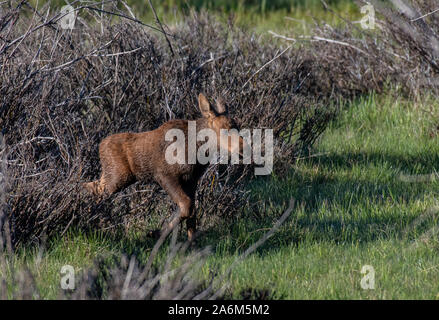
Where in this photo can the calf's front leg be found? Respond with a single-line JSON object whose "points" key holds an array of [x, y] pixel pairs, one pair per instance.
{"points": [[184, 202]]}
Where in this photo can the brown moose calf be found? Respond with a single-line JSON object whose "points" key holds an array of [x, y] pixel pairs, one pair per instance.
{"points": [[128, 157]]}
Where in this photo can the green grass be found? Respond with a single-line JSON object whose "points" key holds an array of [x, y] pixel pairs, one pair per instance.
{"points": [[257, 16], [355, 210], [290, 17], [354, 207], [294, 17]]}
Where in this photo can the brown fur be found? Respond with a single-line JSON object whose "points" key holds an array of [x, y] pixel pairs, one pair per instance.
{"points": [[128, 157]]}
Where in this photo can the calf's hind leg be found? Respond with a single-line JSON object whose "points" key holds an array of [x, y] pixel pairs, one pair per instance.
{"points": [[116, 175]]}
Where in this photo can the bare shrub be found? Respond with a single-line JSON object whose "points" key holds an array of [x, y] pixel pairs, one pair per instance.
{"points": [[413, 27], [63, 91], [401, 50]]}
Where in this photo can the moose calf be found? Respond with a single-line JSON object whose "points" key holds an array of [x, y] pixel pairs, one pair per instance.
{"points": [[128, 157]]}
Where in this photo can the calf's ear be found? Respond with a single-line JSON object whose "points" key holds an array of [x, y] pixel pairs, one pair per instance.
{"points": [[221, 107], [205, 107]]}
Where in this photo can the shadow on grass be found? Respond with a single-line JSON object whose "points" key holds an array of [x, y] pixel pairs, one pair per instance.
{"points": [[335, 205]]}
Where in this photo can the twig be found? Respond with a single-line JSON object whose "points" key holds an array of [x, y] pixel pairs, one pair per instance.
{"points": [[161, 27], [281, 36], [317, 38], [211, 59], [340, 43], [425, 15], [79, 58], [126, 17], [129, 9], [265, 66]]}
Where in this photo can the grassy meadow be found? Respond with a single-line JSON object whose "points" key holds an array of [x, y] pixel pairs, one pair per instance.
{"points": [[365, 195], [357, 203]]}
